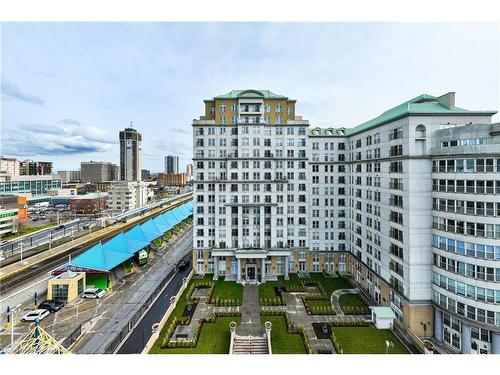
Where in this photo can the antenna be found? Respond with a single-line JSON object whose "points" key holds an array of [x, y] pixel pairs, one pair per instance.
{"points": [[132, 124]]}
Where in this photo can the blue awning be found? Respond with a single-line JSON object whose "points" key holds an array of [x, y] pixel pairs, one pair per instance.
{"points": [[150, 230], [135, 239], [160, 224], [170, 219], [97, 258]]}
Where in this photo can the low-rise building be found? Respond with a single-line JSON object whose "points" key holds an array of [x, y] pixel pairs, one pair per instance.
{"points": [[28, 185], [89, 203], [12, 210], [95, 187], [172, 179], [127, 195]]}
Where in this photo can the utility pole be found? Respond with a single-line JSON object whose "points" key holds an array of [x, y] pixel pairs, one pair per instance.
{"points": [[12, 329]]}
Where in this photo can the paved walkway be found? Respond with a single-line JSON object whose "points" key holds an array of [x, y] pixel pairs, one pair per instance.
{"points": [[336, 296], [203, 310], [250, 313], [300, 318]]}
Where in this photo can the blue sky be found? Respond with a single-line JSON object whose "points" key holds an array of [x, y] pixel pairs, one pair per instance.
{"points": [[68, 88]]}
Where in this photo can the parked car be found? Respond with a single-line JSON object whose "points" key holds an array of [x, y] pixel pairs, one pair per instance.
{"points": [[91, 293], [183, 264], [34, 315], [51, 305]]}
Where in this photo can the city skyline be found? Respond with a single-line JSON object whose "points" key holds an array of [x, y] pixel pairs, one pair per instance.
{"points": [[76, 101]]}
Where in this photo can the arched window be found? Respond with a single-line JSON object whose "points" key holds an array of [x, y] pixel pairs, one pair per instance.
{"points": [[420, 131]]}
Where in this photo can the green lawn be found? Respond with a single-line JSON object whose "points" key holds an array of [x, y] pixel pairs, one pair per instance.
{"points": [[319, 303], [351, 300], [28, 230], [367, 340], [281, 341], [227, 290], [214, 339], [266, 290], [331, 284]]}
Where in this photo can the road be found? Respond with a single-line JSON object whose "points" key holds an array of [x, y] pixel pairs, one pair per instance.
{"points": [[137, 294], [142, 332]]}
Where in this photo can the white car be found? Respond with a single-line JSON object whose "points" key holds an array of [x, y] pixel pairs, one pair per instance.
{"points": [[93, 293], [34, 315]]}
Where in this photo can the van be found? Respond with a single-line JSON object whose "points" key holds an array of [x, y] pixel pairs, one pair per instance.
{"points": [[93, 293]]}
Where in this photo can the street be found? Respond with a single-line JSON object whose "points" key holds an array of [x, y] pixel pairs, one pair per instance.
{"points": [[142, 332]]}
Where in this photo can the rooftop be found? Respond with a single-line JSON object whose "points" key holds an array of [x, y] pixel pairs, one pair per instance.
{"points": [[419, 106], [250, 94]]}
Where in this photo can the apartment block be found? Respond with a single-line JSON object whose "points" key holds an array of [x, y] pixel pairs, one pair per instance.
{"points": [[273, 195]]}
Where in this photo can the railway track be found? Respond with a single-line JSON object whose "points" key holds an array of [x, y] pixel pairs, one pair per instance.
{"points": [[60, 259]]}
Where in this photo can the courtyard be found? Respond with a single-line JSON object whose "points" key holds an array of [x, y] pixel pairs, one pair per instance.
{"points": [[309, 313]]}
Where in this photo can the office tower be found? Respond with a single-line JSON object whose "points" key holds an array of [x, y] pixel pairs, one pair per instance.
{"points": [[408, 203], [97, 171], [69, 176], [130, 155], [171, 164]]}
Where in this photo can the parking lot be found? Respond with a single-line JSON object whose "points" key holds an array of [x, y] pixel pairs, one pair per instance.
{"points": [[92, 314]]}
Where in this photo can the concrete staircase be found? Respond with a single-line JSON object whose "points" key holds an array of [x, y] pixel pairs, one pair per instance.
{"points": [[250, 345]]}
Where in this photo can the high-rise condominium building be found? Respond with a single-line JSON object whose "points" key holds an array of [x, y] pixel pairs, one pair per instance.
{"points": [[10, 166], [130, 155], [35, 168], [171, 164], [408, 203], [97, 171]]}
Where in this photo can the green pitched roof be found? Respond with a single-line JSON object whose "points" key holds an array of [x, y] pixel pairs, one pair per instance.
{"points": [[250, 93], [421, 105]]}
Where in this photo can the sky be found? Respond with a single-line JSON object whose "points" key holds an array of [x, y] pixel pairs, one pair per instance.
{"points": [[67, 89]]}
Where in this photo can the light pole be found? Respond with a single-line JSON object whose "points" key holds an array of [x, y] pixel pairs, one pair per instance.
{"points": [[12, 310], [21, 246]]}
